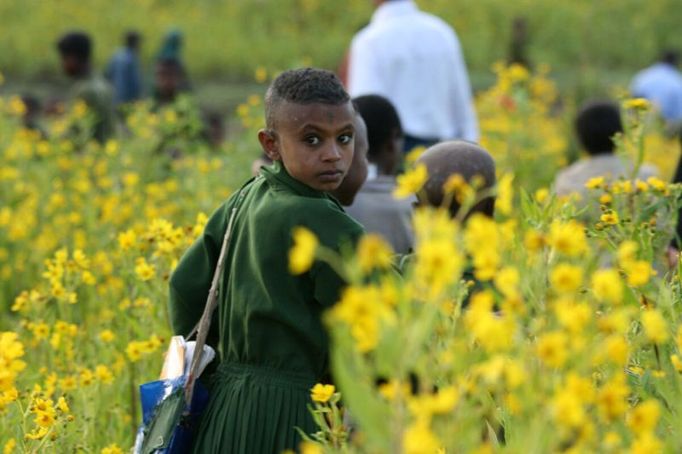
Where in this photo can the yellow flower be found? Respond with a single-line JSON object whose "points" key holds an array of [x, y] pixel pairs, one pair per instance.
{"points": [[568, 238], [505, 194], [111, 449], [302, 253], [644, 417], [457, 186], [507, 281], [541, 195], [533, 241], [573, 316], [411, 181], [134, 350], [607, 285], [144, 270], [605, 199], [103, 374], [419, 439], [595, 183], [627, 251], [45, 418], [612, 398], [309, 447], [552, 348], [414, 154], [438, 264], [494, 333], [261, 74], [68, 383], [17, 106], [612, 441], [62, 405], [657, 184], [9, 446], [444, 400], [107, 335], [86, 377], [568, 409], [126, 240], [393, 389], [641, 186], [566, 278], [655, 326], [638, 272], [609, 218], [37, 434], [616, 349], [373, 252], [637, 104], [322, 393], [676, 362], [80, 259], [646, 443]]}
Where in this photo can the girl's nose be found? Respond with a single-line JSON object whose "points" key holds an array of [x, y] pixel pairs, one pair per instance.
{"points": [[332, 153]]}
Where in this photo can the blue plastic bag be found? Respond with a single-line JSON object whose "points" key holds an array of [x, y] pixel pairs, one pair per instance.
{"points": [[168, 426]]}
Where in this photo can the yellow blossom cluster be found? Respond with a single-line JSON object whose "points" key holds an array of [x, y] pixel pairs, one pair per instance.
{"points": [[540, 329]]}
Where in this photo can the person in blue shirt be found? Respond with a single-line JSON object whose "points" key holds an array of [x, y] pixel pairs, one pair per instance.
{"points": [[124, 71], [661, 84]]}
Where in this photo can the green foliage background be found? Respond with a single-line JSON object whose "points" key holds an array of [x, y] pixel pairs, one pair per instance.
{"points": [[231, 38]]}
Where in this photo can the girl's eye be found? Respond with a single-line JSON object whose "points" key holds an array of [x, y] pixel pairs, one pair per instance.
{"points": [[345, 138], [312, 140]]}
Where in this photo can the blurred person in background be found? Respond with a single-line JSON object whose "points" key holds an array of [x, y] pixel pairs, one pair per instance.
{"points": [[75, 50], [518, 46], [124, 72], [374, 206], [357, 172], [469, 161], [171, 50], [661, 84], [31, 117], [596, 125], [168, 80], [415, 60]]}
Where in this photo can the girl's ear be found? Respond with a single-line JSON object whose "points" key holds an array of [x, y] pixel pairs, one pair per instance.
{"points": [[270, 144]]}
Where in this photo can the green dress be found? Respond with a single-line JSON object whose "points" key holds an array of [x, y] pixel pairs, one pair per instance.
{"points": [[272, 344]]}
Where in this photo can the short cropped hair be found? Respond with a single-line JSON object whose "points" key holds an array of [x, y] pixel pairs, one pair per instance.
{"points": [[303, 86], [76, 44], [132, 39], [458, 157], [670, 56], [596, 124], [381, 118]]}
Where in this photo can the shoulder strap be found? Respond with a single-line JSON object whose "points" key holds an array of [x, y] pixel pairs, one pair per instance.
{"points": [[204, 324]]}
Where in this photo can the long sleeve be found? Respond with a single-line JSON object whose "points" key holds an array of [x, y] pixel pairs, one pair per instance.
{"points": [[364, 76], [345, 234], [191, 280], [465, 115]]}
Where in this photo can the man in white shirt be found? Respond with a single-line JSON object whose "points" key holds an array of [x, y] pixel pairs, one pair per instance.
{"points": [[661, 83], [414, 59]]}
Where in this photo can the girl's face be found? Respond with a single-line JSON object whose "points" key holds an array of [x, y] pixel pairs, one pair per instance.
{"points": [[313, 141]]}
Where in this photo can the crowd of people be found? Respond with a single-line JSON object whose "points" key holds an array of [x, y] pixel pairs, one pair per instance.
{"points": [[331, 155], [109, 94]]}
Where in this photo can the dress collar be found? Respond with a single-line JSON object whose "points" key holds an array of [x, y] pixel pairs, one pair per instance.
{"points": [[394, 8], [278, 175]]}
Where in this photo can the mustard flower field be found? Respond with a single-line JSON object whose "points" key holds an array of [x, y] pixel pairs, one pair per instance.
{"points": [[554, 327]]}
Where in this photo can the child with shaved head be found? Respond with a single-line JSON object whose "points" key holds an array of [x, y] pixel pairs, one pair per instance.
{"points": [[476, 168]]}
